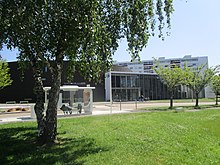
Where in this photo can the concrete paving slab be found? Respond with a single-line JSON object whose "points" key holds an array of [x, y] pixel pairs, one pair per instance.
{"points": [[99, 108]]}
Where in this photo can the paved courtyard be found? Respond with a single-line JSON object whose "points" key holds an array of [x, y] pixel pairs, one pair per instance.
{"points": [[99, 108]]}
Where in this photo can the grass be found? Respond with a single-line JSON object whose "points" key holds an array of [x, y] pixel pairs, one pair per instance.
{"points": [[180, 108], [184, 100], [138, 138]]}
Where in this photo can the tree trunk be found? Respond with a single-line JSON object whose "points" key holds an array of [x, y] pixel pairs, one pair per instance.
{"points": [[171, 100], [216, 99], [197, 100], [51, 113], [39, 106]]}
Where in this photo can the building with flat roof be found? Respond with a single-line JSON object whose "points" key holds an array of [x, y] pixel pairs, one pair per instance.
{"points": [[126, 81], [143, 81], [146, 66], [21, 89]]}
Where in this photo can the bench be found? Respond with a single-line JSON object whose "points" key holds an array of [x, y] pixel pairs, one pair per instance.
{"points": [[69, 110], [11, 102], [23, 102]]}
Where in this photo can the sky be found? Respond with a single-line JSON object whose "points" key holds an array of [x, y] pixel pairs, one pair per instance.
{"points": [[195, 30]]}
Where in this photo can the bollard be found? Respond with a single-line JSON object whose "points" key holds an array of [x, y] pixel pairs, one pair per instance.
{"points": [[33, 115], [136, 104]]}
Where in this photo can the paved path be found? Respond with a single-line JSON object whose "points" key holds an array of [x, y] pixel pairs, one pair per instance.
{"points": [[99, 108]]}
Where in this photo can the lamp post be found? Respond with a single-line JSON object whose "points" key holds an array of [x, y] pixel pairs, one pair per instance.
{"points": [[110, 88]]}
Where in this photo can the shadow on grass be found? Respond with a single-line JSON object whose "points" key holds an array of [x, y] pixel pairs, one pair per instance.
{"points": [[18, 146]]}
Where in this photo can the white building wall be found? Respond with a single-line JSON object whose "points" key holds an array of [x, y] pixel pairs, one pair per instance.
{"points": [[146, 66], [136, 67], [202, 60]]}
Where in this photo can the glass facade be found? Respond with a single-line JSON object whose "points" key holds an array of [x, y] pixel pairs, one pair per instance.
{"points": [[72, 96], [129, 87]]}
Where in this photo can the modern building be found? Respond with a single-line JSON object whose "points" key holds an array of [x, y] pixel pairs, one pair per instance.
{"points": [[22, 85], [146, 66], [141, 80], [126, 81], [130, 86]]}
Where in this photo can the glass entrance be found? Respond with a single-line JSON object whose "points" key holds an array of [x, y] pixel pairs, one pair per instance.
{"points": [[125, 94]]}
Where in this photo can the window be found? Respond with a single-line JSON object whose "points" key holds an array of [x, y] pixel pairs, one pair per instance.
{"points": [[148, 63], [147, 67], [123, 81], [174, 61], [117, 83], [128, 81]]}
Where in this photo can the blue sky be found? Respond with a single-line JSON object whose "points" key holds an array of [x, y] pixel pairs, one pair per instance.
{"points": [[195, 30]]}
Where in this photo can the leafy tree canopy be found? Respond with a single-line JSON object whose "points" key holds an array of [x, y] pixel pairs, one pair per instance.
{"points": [[171, 75], [5, 79], [215, 84], [198, 78], [84, 32]]}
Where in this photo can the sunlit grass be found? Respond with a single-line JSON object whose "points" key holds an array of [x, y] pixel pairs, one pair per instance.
{"points": [[140, 138], [180, 108], [185, 100]]}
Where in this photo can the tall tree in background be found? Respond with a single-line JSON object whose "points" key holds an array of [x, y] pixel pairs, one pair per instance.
{"points": [[171, 76], [84, 32], [215, 85], [199, 78], [5, 79]]}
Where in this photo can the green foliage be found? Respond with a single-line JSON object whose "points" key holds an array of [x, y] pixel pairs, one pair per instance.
{"points": [[5, 79], [197, 79], [200, 77], [172, 75], [215, 84], [85, 32], [164, 138]]}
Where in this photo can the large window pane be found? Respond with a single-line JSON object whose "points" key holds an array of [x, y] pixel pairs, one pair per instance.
{"points": [[113, 81], [117, 81], [133, 81], [123, 81], [128, 81]]}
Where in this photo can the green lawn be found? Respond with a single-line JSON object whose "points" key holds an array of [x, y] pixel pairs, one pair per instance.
{"points": [[184, 100], [139, 138], [180, 108]]}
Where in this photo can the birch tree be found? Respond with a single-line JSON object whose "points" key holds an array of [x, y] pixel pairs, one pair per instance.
{"points": [[172, 77], [199, 78], [215, 85], [5, 79], [86, 33]]}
